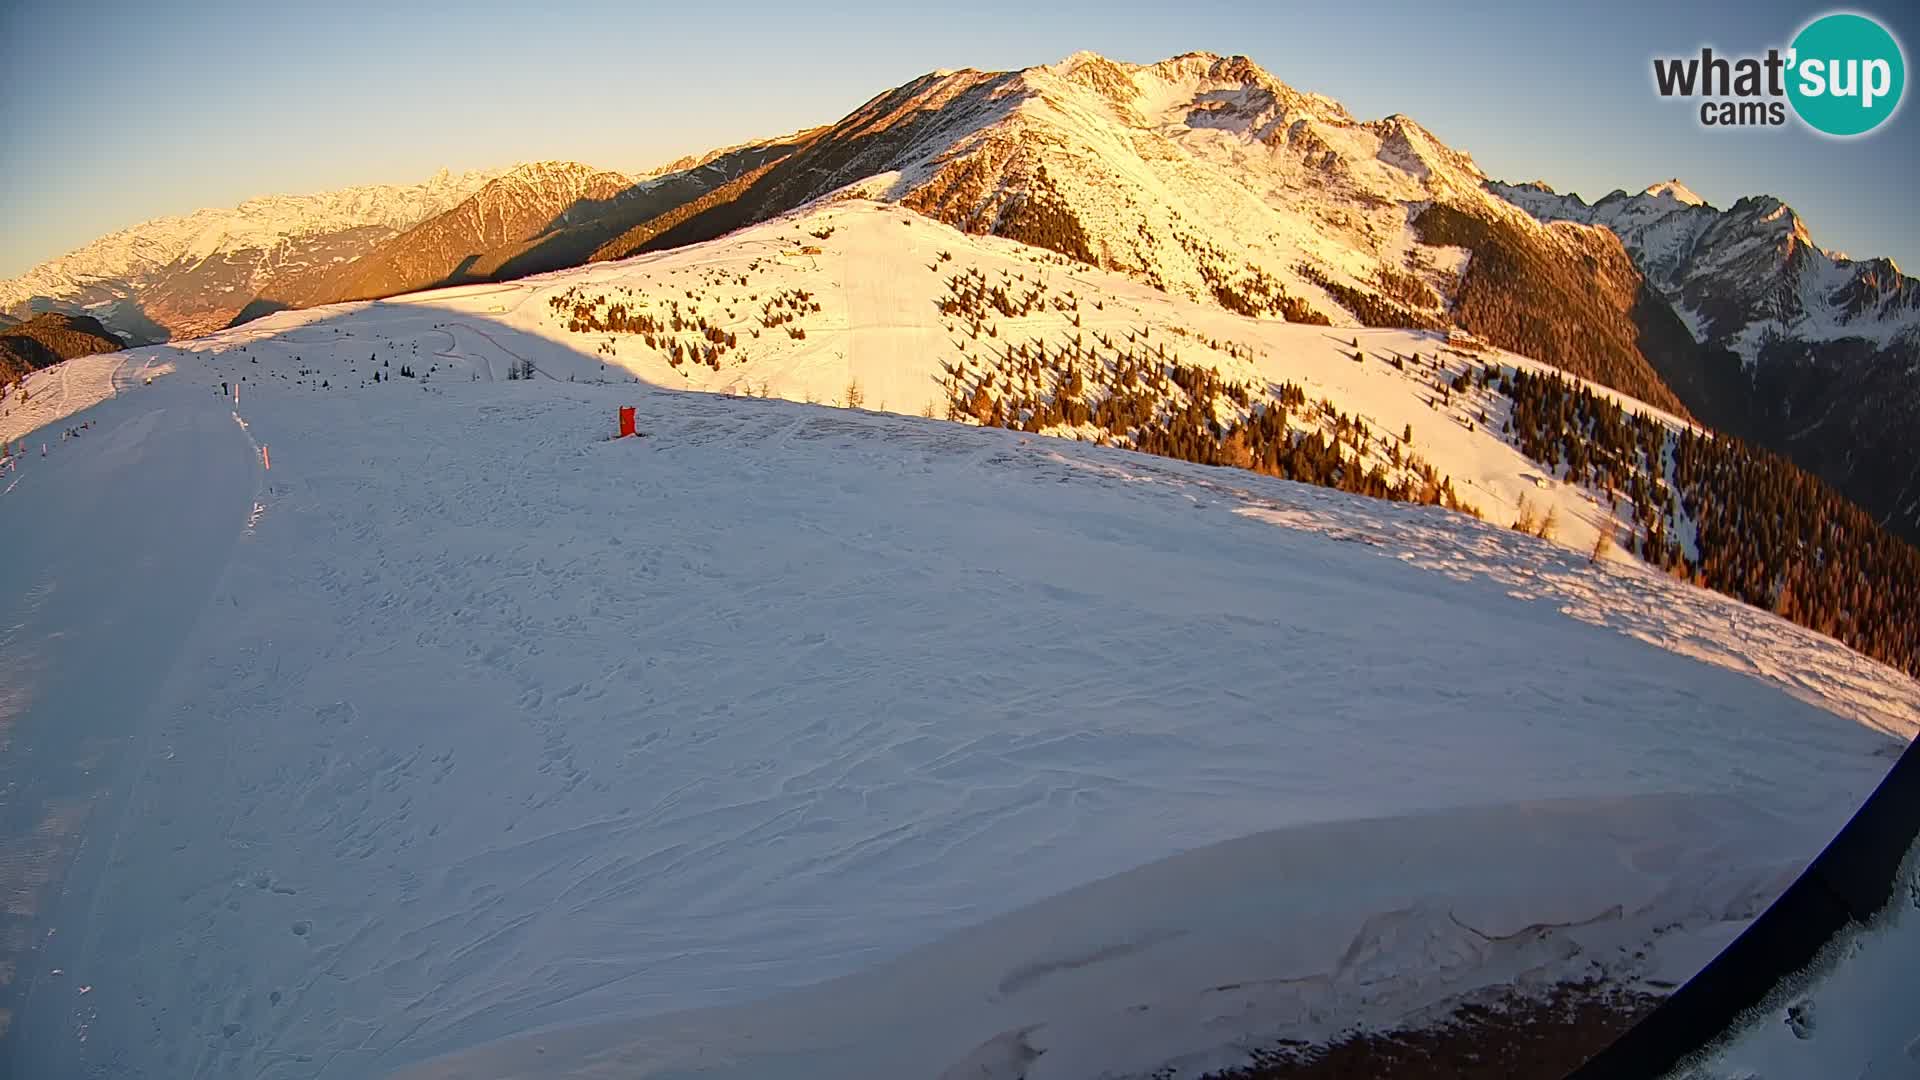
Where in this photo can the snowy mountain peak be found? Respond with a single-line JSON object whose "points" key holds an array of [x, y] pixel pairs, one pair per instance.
{"points": [[1674, 191], [1196, 88], [1095, 72], [1420, 151], [1192, 172], [552, 170], [1208, 67], [547, 183], [1074, 62]]}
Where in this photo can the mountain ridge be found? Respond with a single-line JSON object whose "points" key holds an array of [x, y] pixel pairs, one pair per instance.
{"points": [[523, 200], [175, 275], [49, 338], [533, 218], [1772, 337], [1722, 268]]}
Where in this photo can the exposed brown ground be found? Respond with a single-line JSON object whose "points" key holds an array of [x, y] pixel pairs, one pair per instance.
{"points": [[1507, 1037]]}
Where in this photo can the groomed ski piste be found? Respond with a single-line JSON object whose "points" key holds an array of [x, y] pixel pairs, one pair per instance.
{"points": [[802, 740]]}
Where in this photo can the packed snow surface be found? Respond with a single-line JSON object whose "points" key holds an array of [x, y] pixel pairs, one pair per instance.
{"points": [[1849, 1014], [792, 739]]}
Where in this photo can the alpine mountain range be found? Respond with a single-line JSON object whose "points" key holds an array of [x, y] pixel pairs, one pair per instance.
{"points": [[1202, 175]]}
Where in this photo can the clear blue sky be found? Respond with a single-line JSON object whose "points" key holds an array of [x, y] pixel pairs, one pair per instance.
{"points": [[117, 112]]}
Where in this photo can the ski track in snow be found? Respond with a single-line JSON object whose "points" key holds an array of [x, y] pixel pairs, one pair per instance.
{"points": [[80, 383], [99, 608], [481, 722]]}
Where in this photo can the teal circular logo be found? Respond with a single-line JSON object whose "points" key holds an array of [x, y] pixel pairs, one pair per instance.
{"points": [[1847, 74]]}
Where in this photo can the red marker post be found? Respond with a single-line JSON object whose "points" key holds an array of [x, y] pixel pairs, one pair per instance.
{"points": [[626, 421]]}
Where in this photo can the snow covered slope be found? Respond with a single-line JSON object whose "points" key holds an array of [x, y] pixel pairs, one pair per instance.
{"points": [[55, 393], [463, 720], [185, 275], [1191, 962], [1847, 1014], [857, 298]]}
